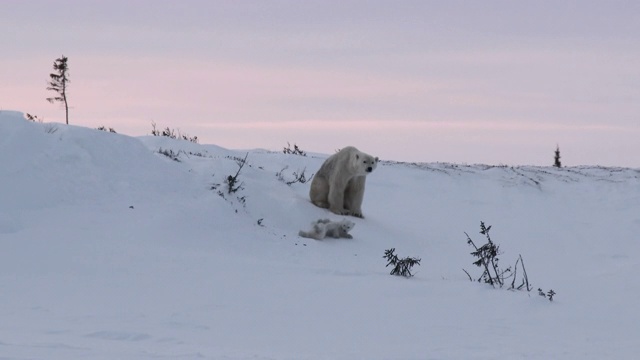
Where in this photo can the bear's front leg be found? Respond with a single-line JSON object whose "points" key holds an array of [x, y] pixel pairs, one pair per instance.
{"points": [[354, 195], [336, 200]]}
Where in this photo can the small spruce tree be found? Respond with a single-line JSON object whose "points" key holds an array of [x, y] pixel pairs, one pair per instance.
{"points": [[556, 158], [401, 267], [58, 83]]}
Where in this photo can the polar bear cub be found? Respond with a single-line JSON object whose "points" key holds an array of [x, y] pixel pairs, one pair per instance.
{"points": [[322, 228], [339, 184]]}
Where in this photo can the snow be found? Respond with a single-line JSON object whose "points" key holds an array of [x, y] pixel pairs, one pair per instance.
{"points": [[110, 250]]}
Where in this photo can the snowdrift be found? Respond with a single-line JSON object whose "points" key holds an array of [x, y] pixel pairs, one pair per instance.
{"points": [[110, 249]]}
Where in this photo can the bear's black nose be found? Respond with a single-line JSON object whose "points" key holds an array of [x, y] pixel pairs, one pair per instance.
{"points": [[369, 169]]}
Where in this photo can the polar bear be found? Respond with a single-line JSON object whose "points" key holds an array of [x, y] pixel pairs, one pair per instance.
{"points": [[322, 228], [339, 184]]}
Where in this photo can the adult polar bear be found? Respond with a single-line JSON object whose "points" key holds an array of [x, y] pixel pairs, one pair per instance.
{"points": [[339, 184]]}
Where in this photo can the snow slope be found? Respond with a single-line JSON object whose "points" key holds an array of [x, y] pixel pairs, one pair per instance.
{"points": [[111, 250]]}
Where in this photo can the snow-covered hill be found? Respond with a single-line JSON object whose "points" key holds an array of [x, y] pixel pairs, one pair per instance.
{"points": [[111, 250]]}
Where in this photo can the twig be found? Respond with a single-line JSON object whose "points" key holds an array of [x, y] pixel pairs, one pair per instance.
{"points": [[465, 271], [515, 273], [526, 278]]}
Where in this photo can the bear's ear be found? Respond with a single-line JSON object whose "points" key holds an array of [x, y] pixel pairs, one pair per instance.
{"points": [[357, 157], [376, 159]]}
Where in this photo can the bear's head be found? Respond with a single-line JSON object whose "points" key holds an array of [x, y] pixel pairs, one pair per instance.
{"points": [[365, 163], [347, 225]]}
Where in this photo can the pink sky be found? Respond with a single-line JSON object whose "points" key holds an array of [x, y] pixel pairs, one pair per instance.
{"points": [[493, 82]]}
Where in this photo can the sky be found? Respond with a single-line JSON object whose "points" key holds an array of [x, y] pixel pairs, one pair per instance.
{"points": [[494, 82]]}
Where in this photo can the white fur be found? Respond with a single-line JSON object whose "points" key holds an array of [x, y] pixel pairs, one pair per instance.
{"points": [[322, 228], [339, 184]]}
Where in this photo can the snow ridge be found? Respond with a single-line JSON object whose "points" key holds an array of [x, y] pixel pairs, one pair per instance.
{"points": [[112, 250]]}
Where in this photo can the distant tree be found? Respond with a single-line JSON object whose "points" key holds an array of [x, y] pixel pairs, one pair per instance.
{"points": [[111, 130], [296, 150], [556, 158], [33, 118], [58, 83]]}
